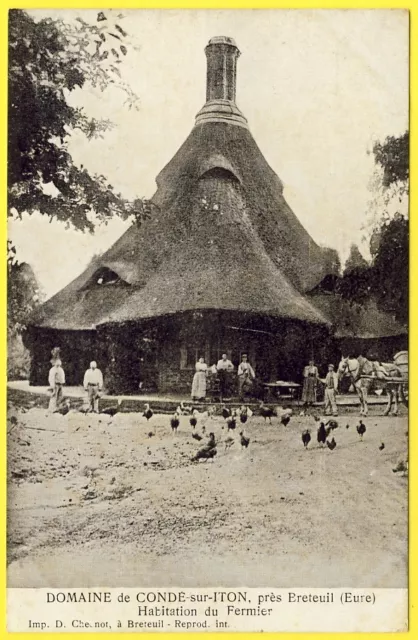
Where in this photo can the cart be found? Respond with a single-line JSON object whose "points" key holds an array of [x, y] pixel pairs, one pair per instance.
{"points": [[401, 361]]}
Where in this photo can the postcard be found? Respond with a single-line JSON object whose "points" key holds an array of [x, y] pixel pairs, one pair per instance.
{"points": [[207, 396]]}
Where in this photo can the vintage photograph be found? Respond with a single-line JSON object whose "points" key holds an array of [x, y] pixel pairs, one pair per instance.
{"points": [[208, 247]]}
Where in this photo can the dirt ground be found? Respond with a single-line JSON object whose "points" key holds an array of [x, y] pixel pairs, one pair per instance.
{"points": [[97, 502]]}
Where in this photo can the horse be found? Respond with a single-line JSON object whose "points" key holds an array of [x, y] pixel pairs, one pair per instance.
{"points": [[355, 368]]}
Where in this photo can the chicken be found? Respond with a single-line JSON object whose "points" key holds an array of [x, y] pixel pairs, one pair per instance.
{"points": [[211, 442], [321, 434], [347, 426], [244, 440], [361, 429], [285, 419], [306, 438], [226, 413], [316, 417], [175, 421], [196, 436], [64, 408], [266, 412], [243, 415], [401, 467], [231, 422], [193, 420], [205, 454], [331, 444], [150, 434], [382, 446], [112, 411], [229, 442], [333, 424], [148, 413]]}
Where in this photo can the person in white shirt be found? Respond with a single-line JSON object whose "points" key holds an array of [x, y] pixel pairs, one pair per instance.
{"points": [[331, 388], [93, 384], [246, 376], [56, 380], [224, 367]]}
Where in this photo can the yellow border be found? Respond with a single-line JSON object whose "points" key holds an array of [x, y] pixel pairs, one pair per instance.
{"points": [[413, 348]]}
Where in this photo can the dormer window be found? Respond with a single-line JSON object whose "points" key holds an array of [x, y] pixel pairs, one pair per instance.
{"points": [[105, 277]]}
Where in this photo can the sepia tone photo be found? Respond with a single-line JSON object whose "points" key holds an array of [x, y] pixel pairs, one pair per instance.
{"points": [[208, 299]]}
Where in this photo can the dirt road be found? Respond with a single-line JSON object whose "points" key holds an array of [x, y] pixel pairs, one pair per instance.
{"points": [[99, 503]]}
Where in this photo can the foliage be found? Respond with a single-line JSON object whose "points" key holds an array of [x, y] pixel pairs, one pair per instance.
{"points": [[355, 260], [331, 260], [393, 157], [356, 285], [386, 279], [23, 297], [23, 293], [390, 268], [48, 60]]}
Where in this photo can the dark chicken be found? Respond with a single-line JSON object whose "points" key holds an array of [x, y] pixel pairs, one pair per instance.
{"points": [[231, 422], [321, 434], [205, 454], [112, 411], [244, 440], [208, 451], [331, 444], [361, 429], [64, 408], [175, 421], [148, 413], [266, 412], [306, 438], [226, 413]]}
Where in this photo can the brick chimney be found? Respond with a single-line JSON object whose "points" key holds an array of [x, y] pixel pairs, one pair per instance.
{"points": [[222, 54]]}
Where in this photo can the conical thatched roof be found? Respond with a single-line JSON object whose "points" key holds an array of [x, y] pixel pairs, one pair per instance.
{"points": [[222, 237]]}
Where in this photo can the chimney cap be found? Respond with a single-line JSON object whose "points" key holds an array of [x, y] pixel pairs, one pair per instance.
{"points": [[222, 40]]}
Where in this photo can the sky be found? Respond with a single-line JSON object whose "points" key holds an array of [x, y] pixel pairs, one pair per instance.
{"points": [[318, 88]]}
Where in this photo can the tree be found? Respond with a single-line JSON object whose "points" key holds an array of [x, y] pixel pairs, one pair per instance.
{"points": [[386, 279], [393, 157], [355, 260], [23, 292], [48, 60], [23, 296], [390, 268]]}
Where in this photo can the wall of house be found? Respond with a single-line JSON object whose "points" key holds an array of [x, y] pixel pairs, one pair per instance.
{"points": [[77, 350], [160, 355]]}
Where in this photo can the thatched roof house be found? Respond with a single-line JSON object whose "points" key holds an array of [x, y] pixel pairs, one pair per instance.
{"points": [[223, 264]]}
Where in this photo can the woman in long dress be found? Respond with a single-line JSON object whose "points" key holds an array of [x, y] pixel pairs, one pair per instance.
{"points": [[199, 380], [310, 381]]}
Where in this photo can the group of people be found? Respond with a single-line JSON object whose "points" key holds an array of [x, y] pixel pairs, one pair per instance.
{"points": [[310, 386], [92, 383], [222, 370]]}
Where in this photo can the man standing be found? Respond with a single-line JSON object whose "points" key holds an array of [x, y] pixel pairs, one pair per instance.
{"points": [[93, 384], [331, 387], [224, 367], [56, 380], [246, 376]]}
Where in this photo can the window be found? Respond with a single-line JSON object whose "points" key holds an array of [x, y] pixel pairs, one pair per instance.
{"points": [[190, 355], [106, 277]]}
